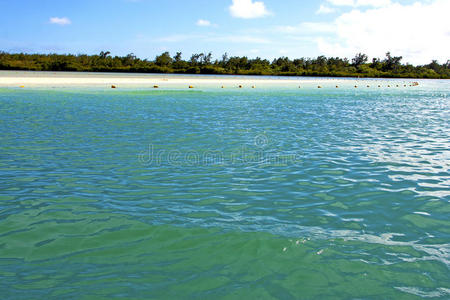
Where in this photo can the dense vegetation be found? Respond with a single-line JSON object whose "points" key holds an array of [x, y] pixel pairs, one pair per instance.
{"points": [[203, 63]]}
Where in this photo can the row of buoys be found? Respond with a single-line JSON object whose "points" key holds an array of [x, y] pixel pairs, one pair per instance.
{"points": [[337, 86], [253, 86], [191, 86]]}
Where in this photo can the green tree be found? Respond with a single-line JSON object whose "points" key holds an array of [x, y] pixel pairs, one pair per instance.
{"points": [[391, 62], [177, 57], [359, 59], [376, 63], [224, 59], [206, 58], [391, 66], [195, 59], [104, 54], [164, 60]]}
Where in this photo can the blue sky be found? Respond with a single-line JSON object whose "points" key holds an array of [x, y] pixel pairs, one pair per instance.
{"points": [[417, 30]]}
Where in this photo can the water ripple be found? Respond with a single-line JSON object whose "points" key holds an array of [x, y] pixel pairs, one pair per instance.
{"points": [[211, 194]]}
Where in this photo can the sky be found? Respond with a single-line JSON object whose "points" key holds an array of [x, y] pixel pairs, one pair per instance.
{"points": [[417, 30]]}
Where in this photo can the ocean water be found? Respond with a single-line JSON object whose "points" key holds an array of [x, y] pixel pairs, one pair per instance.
{"points": [[225, 194]]}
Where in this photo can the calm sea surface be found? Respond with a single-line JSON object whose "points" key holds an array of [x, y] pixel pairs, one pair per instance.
{"points": [[234, 194]]}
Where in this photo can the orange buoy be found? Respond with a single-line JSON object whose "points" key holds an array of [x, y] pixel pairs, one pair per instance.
{"points": [[240, 86], [337, 86], [253, 86], [22, 86], [319, 87], [155, 86], [356, 86], [113, 86], [191, 86], [223, 86]]}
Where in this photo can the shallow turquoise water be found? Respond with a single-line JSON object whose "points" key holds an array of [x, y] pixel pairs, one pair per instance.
{"points": [[280, 194]]}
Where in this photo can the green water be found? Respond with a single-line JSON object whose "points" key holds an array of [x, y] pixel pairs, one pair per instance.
{"points": [[210, 194]]}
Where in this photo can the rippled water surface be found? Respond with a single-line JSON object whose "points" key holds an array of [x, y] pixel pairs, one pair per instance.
{"points": [[235, 194]]}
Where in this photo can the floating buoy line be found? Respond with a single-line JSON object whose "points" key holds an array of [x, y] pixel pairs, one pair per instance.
{"points": [[240, 86]]}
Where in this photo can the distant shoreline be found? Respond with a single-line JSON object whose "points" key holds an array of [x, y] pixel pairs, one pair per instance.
{"points": [[207, 76], [204, 64], [280, 76], [35, 79]]}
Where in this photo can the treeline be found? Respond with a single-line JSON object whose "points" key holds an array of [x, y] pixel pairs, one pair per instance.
{"points": [[203, 63]]}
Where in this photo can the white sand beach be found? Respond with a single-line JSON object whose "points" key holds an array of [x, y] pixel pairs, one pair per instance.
{"points": [[29, 79]]}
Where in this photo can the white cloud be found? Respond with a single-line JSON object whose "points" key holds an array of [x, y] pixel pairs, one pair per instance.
{"points": [[239, 39], [287, 29], [419, 32], [247, 9], [204, 23], [342, 2], [60, 21], [374, 3], [323, 9], [357, 3], [177, 38], [307, 28]]}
